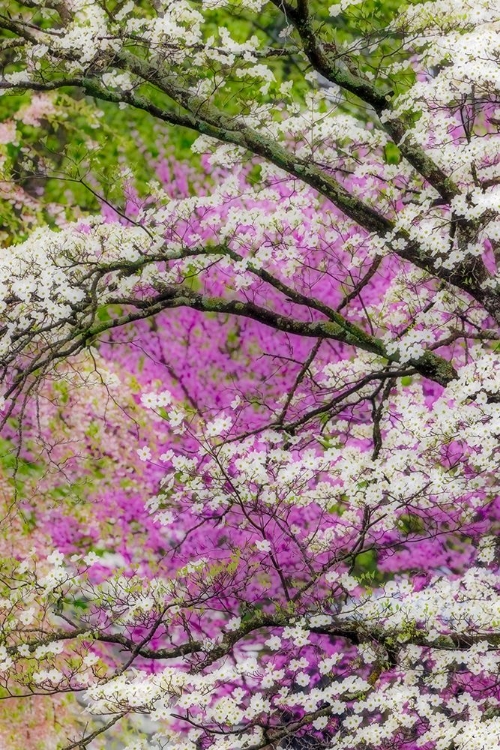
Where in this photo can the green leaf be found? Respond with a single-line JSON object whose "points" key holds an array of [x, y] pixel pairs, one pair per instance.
{"points": [[392, 154]]}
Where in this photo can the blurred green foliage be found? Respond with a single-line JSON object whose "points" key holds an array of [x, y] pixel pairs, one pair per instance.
{"points": [[89, 149]]}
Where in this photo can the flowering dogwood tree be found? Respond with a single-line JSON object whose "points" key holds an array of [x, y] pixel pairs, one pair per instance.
{"points": [[254, 409]]}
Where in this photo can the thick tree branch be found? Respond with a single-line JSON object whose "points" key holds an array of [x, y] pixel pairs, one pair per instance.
{"points": [[429, 365], [208, 120], [330, 65]]}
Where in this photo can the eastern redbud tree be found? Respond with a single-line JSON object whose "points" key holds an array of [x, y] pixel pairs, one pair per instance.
{"points": [[251, 388]]}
